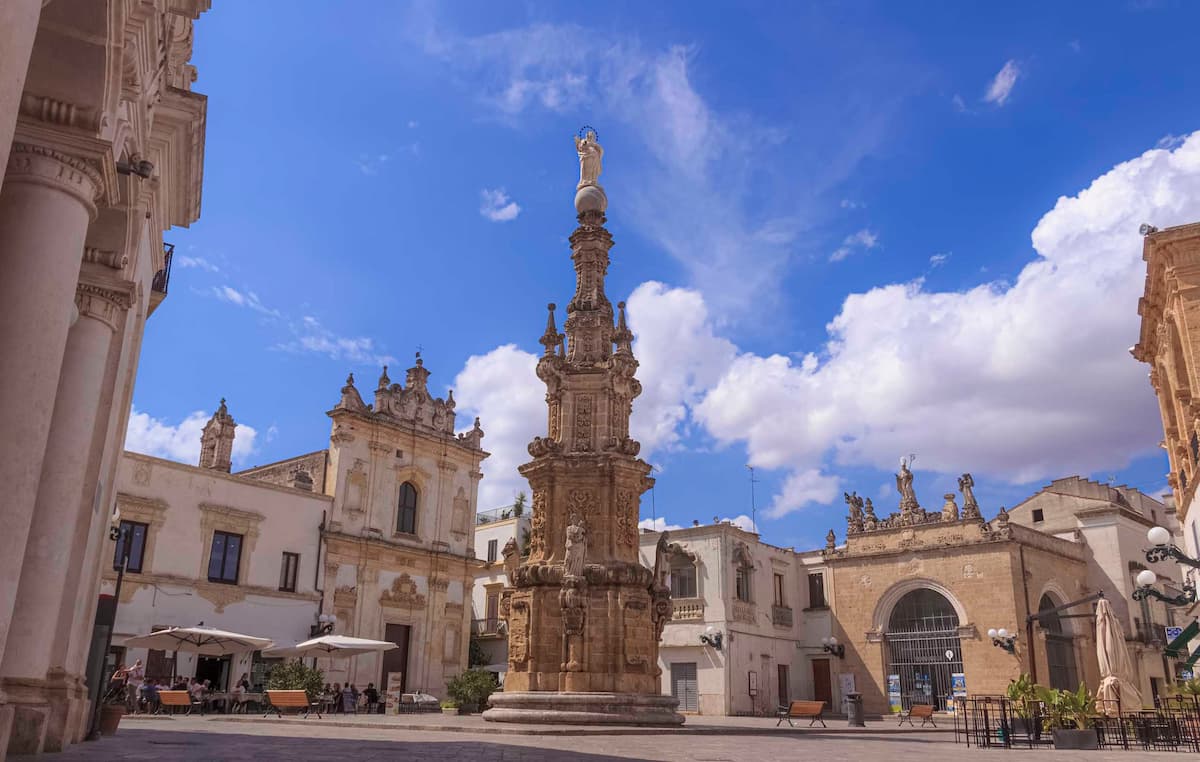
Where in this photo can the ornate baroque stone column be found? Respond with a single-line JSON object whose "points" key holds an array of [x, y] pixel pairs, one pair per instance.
{"points": [[46, 204], [18, 28], [34, 668], [584, 616]]}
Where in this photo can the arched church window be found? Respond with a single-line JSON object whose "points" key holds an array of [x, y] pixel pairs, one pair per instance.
{"points": [[406, 515]]}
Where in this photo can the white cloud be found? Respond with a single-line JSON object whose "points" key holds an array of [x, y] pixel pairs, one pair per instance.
{"points": [[804, 488], [863, 240], [937, 260], [370, 164], [742, 522], [496, 206], [183, 260], [691, 173], [1170, 142], [848, 204], [1002, 84], [502, 388], [312, 336], [181, 441], [658, 525], [247, 299]]}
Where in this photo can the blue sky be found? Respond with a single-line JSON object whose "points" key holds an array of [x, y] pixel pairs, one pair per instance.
{"points": [[847, 232]]}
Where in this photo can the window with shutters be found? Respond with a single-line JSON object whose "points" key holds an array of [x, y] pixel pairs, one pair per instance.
{"points": [[287, 572], [493, 546], [816, 590], [685, 687]]}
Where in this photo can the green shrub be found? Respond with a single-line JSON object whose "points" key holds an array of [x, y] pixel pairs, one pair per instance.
{"points": [[1189, 687], [296, 676], [472, 688], [1021, 692]]}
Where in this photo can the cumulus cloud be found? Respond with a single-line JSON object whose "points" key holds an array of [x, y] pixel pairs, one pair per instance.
{"points": [[312, 336], [495, 205], [1003, 83], [1021, 382], [863, 240], [181, 441], [502, 388], [658, 525]]}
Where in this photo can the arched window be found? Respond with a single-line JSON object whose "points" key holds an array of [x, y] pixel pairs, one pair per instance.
{"points": [[406, 514], [1060, 651], [922, 629]]}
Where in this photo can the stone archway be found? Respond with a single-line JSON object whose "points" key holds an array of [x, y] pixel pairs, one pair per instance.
{"points": [[1062, 671], [920, 629]]}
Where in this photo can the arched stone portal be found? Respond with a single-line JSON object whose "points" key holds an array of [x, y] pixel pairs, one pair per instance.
{"points": [[1060, 648], [921, 628]]}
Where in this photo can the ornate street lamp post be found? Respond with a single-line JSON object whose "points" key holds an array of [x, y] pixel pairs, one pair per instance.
{"points": [[1162, 549]]}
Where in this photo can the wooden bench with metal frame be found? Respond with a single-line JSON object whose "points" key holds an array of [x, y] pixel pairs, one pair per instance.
{"points": [[799, 710], [177, 699], [278, 700], [924, 711]]}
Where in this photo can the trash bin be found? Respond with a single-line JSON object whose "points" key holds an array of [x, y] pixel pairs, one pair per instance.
{"points": [[854, 710]]}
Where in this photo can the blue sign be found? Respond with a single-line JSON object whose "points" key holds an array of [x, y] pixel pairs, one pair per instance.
{"points": [[1172, 633]]}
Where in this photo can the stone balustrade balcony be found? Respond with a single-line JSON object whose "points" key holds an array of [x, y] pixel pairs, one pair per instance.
{"points": [[688, 610]]}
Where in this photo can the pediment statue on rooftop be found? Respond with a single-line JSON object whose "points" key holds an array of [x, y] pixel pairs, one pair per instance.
{"points": [[904, 485], [966, 485], [854, 522], [590, 154]]}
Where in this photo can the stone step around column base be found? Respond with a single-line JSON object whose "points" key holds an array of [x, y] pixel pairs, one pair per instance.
{"points": [[540, 707]]}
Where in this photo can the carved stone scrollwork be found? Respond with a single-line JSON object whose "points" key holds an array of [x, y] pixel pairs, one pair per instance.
{"points": [[403, 593], [583, 423], [518, 632], [627, 519], [33, 163], [104, 304]]}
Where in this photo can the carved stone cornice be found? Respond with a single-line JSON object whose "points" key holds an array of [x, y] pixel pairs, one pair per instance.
{"points": [[44, 166], [100, 303], [114, 259]]}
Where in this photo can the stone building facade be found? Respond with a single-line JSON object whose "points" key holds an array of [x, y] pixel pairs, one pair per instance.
{"points": [[495, 529], [399, 555], [1169, 343], [102, 145]]}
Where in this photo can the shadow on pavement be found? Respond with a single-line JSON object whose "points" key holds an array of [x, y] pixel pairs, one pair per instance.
{"points": [[193, 746]]}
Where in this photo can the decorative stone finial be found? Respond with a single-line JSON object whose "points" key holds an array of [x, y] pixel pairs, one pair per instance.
{"points": [[950, 508], [551, 338], [384, 381], [830, 540], [623, 337], [350, 379]]}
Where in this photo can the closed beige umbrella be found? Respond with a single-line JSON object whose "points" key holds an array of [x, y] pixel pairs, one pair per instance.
{"points": [[1116, 668]]}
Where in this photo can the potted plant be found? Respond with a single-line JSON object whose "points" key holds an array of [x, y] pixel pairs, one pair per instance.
{"points": [[112, 709], [1023, 694], [449, 706], [1069, 712], [471, 689]]}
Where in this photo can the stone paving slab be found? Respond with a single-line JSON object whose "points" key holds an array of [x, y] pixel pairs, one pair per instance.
{"points": [[196, 739]]}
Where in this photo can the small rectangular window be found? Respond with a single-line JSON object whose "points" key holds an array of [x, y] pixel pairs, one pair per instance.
{"points": [[1038, 515], [225, 557], [743, 584], [492, 551], [779, 599], [287, 572], [133, 533], [816, 590]]}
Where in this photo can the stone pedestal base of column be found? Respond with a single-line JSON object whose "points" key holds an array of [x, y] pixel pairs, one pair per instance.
{"points": [[30, 712], [64, 693], [539, 707], [6, 725]]}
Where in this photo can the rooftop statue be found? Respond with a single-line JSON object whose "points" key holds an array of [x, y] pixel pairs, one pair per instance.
{"points": [[590, 154]]}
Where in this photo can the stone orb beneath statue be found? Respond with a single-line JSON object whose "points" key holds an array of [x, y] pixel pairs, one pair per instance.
{"points": [[591, 198]]}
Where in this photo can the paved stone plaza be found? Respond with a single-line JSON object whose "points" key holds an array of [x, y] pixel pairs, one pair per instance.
{"points": [[194, 739]]}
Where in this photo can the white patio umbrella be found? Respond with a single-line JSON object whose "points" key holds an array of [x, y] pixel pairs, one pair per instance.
{"points": [[206, 641], [1116, 668], [338, 646]]}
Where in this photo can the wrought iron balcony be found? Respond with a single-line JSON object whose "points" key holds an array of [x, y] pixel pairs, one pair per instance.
{"points": [[489, 628], [163, 276]]}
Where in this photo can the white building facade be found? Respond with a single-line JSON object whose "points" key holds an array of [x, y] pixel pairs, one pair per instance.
{"points": [[494, 529]]}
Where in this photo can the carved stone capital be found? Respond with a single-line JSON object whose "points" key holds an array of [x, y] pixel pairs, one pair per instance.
{"points": [[99, 303], [44, 166]]}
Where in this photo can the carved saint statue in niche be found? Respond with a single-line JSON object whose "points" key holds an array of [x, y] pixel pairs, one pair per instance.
{"points": [[576, 549]]}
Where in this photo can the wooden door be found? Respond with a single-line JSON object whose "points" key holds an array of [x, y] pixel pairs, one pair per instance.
{"points": [[396, 660], [822, 687], [785, 687]]}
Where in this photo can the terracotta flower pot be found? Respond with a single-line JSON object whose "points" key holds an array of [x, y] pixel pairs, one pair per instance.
{"points": [[110, 718]]}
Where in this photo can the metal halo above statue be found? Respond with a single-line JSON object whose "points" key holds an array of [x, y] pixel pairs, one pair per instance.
{"points": [[585, 129]]}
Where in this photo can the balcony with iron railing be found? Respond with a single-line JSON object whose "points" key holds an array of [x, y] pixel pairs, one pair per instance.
{"points": [[493, 627], [162, 278], [499, 514]]}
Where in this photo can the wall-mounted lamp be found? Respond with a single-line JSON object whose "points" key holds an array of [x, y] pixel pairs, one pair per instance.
{"points": [[831, 645], [324, 626], [1146, 578], [1002, 639], [711, 637]]}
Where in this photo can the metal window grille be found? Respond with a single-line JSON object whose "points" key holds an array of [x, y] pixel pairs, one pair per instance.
{"points": [[922, 628]]}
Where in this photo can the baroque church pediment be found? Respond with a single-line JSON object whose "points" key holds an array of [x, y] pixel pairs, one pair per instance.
{"points": [[403, 593]]}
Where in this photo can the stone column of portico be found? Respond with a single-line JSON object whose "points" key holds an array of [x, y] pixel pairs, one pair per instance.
{"points": [[18, 28], [33, 668], [45, 206]]}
